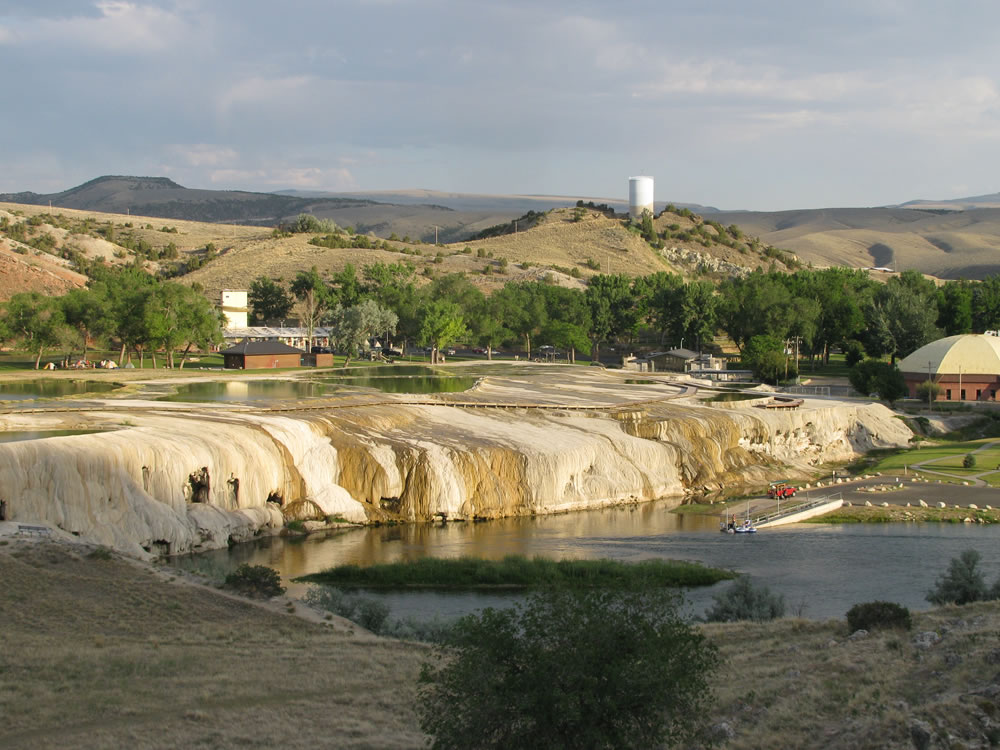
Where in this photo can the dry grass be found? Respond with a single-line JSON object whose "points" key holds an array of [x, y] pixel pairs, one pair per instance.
{"points": [[106, 653], [802, 684]]}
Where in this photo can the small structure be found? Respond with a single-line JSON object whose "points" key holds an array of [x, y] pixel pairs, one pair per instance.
{"points": [[297, 336], [253, 355]]}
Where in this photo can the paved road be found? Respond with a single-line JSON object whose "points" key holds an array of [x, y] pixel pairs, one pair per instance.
{"points": [[912, 492]]}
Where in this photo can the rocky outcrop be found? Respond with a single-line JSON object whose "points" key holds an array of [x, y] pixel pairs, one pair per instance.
{"points": [[180, 480]]}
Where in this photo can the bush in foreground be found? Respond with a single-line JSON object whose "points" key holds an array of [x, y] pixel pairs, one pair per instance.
{"points": [[589, 668], [878, 616], [746, 601], [258, 581]]}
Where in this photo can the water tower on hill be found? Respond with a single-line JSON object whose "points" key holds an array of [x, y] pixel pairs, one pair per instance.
{"points": [[640, 196]]}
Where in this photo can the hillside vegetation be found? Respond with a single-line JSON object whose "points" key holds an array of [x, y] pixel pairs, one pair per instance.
{"points": [[565, 245]]}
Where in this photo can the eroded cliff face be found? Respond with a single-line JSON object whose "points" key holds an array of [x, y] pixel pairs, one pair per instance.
{"points": [[174, 481]]}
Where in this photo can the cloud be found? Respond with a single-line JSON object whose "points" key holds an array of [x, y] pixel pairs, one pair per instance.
{"points": [[119, 27], [204, 154], [290, 177]]}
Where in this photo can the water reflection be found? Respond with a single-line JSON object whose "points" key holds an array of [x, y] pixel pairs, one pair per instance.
{"points": [[26, 390], [821, 570], [248, 390]]}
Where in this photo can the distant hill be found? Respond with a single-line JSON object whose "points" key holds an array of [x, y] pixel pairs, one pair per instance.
{"points": [[992, 200], [163, 198], [946, 243]]}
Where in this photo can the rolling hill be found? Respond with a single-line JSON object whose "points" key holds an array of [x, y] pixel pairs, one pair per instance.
{"points": [[944, 243], [565, 246]]}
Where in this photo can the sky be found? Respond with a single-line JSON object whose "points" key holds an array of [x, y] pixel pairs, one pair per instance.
{"points": [[737, 104]]}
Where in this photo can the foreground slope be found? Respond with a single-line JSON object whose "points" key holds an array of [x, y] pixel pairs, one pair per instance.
{"points": [[101, 652]]}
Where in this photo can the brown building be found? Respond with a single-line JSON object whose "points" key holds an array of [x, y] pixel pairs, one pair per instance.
{"points": [[255, 355], [965, 367]]}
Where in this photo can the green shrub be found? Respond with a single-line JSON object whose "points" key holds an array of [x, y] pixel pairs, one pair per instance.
{"points": [[595, 668], [878, 616], [257, 581], [969, 461], [744, 600], [962, 583]]}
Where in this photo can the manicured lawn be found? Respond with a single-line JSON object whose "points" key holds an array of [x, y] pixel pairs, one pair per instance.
{"points": [[937, 451]]}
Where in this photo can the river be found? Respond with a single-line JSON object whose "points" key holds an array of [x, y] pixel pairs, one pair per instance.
{"points": [[822, 570]]}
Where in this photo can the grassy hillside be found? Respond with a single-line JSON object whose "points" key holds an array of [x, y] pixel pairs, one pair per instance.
{"points": [[564, 245], [946, 244]]}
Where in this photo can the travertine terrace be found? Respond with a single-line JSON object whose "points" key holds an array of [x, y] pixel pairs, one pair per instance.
{"points": [[167, 478]]}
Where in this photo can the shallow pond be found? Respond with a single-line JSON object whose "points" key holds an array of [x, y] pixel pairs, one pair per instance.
{"points": [[26, 390], [402, 379], [249, 390], [822, 570]]}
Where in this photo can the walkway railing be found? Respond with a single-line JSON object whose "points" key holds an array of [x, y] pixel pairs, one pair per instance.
{"points": [[798, 508]]}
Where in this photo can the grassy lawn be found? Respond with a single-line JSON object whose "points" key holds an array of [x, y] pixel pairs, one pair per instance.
{"points": [[938, 451]]}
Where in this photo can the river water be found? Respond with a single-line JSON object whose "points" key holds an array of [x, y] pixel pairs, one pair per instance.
{"points": [[822, 570]]}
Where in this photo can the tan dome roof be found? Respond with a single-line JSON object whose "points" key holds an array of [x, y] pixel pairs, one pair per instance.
{"points": [[969, 353]]}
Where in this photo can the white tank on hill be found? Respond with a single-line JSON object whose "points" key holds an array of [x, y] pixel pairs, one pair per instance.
{"points": [[640, 196]]}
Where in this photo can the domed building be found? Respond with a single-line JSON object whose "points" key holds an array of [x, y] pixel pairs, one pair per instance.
{"points": [[967, 367]]}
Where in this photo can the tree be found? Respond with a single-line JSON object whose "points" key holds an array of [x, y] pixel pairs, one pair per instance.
{"points": [[881, 378], [962, 583], [744, 600], [441, 323], [613, 311], [268, 300], [314, 298], [569, 669], [765, 355], [928, 391], [35, 322], [87, 313], [901, 316], [954, 303], [351, 327]]}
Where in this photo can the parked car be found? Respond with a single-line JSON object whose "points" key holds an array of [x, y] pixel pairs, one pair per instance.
{"points": [[450, 351], [321, 350], [480, 350]]}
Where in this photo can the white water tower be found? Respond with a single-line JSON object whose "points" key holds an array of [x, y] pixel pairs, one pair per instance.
{"points": [[640, 196]]}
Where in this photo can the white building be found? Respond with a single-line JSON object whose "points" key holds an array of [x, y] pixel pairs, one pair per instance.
{"points": [[640, 196], [234, 307]]}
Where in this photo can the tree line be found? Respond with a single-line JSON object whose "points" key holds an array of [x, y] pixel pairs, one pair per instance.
{"points": [[128, 308], [765, 314]]}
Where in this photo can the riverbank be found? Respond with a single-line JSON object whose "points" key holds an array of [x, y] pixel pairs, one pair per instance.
{"points": [[100, 651]]}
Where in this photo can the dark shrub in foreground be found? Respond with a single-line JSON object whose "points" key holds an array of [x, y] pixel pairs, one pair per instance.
{"points": [[569, 668], [878, 615], [255, 580], [746, 601], [962, 583]]}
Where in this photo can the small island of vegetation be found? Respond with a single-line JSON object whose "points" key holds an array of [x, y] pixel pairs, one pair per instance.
{"points": [[521, 572]]}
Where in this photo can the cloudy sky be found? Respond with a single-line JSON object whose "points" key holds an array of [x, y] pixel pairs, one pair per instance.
{"points": [[768, 104]]}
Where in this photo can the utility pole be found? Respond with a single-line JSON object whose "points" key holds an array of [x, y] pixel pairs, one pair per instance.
{"points": [[435, 234], [930, 387]]}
